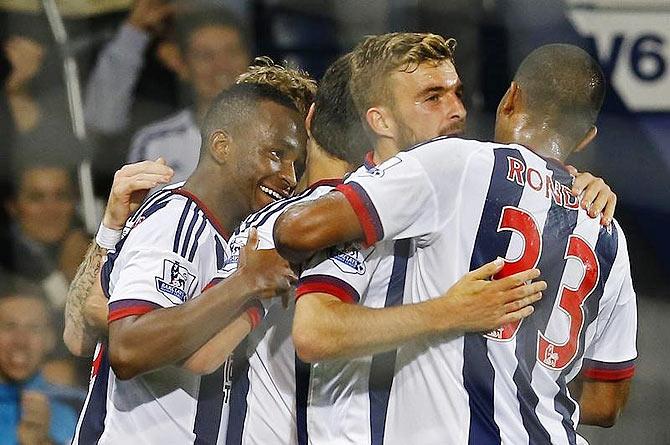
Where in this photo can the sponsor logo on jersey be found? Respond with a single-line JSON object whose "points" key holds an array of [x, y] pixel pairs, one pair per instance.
{"points": [[350, 261], [176, 280]]}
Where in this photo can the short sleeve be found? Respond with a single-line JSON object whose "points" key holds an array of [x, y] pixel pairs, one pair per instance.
{"points": [[393, 201], [151, 279], [342, 273], [150, 270], [612, 355]]}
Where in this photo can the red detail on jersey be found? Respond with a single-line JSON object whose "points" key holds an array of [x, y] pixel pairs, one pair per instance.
{"points": [[210, 216], [523, 223], [559, 355], [609, 375], [515, 170], [365, 219], [97, 361], [535, 184], [255, 316], [570, 201], [554, 189], [325, 288], [128, 312]]}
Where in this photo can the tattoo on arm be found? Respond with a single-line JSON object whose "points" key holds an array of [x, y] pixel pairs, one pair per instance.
{"points": [[79, 290]]}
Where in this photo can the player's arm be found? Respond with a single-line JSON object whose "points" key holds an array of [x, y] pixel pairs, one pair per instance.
{"points": [[600, 402], [86, 307], [215, 352], [325, 327], [164, 336], [309, 227]]}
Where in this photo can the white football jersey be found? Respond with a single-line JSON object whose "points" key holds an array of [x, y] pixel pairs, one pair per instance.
{"points": [[172, 248], [269, 392], [348, 398], [464, 203]]}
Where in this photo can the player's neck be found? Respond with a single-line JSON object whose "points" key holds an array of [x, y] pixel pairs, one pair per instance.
{"points": [[220, 199], [320, 166], [385, 149]]}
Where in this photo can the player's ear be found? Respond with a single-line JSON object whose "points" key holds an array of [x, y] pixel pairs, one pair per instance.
{"points": [[219, 145], [511, 100], [379, 121], [590, 136], [308, 121]]}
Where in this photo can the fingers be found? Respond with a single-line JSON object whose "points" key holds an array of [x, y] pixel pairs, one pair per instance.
{"points": [[515, 305], [252, 239], [608, 213], [582, 180], [600, 202], [515, 316], [487, 270], [516, 280], [591, 192], [157, 167], [141, 181], [572, 170]]}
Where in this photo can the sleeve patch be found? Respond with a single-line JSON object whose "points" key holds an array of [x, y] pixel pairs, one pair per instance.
{"points": [[327, 285], [176, 281]]}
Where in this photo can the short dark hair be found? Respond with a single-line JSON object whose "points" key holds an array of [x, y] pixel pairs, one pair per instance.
{"points": [[565, 82], [236, 106], [195, 15], [336, 125]]}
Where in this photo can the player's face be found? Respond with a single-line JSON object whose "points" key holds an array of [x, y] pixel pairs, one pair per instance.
{"points": [[215, 57], [24, 337], [271, 146], [44, 206], [427, 103]]}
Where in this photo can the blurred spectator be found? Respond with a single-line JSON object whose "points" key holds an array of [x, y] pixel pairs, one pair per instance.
{"points": [[42, 242], [210, 51], [32, 411]]}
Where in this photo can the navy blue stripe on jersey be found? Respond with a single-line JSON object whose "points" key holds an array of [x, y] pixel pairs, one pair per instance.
{"points": [[259, 218], [238, 395], [209, 408], [478, 372], [606, 250], [559, 224], [189, 231], [93, 422], [180, 226], [302, 373], [155, 207], [151, 200], [108, 266], [220, 253], [382, 367], [194, 247]]}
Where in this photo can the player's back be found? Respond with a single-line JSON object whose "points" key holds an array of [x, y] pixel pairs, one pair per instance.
{"points": [[476, 201]]}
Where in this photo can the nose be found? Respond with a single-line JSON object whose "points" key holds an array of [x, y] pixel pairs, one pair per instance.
{"points": [[288, 174], [456, 109]]}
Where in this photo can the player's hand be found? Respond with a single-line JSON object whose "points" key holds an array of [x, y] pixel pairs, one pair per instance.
{"points": [[150, 15], [35, 417], [131, 185], [598, 198], [482, 305], [268, 274]]}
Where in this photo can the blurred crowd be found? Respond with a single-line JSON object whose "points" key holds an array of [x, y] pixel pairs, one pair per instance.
{"points": [[147, 76]]}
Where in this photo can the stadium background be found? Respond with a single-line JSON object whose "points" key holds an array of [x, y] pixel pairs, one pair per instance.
{"points": [[630, 38]]}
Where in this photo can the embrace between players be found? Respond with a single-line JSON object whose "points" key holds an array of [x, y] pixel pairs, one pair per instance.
{"points": [[416, 318]]}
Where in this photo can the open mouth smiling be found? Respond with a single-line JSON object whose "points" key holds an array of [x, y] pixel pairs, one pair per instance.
{"points": [[274, 194]]}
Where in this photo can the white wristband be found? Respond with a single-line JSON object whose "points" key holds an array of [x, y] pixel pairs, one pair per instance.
{"points": [[107, 238]]}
